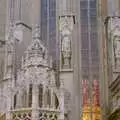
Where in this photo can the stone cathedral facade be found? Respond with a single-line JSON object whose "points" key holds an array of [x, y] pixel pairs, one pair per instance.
{"points": [[30, 92], [32, 87]]}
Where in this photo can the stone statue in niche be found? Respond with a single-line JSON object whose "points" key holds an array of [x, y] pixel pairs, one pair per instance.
{"points": [[66, 52], [66, 27], [116, 47]]}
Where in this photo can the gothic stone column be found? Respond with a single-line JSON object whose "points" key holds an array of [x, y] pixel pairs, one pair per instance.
{"points": [[19, 100], [67, 21], [61, 105], [35, 93], [36, 4], [9, 100]]}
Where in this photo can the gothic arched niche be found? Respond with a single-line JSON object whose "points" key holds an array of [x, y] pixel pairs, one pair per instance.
{"points": [[116, 52], [114, 42], [24, 98], [47, 98], [30, 96], [40, 95], [15, 101], [56, 101], [66, 28]]}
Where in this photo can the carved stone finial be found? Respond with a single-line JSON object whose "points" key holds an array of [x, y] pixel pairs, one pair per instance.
{"points": [[36, 32]]}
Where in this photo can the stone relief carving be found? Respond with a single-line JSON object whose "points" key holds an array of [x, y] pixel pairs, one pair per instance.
{"points": [[66, 51], [66, 44], [66, 27], [116, 47], [114, 37]]}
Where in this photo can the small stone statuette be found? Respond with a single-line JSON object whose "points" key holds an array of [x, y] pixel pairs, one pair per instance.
{"points": [[66, 52]]}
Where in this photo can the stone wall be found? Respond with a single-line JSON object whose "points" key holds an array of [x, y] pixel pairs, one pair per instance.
{"points": [[3, 9]]}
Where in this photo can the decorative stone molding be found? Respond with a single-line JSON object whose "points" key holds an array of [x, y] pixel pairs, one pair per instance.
{"points": [[21, 114]]}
